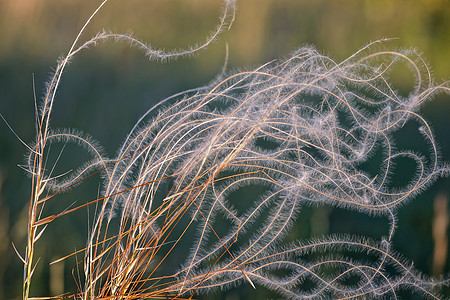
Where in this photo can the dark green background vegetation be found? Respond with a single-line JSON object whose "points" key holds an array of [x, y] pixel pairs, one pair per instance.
{"points": [[107, 88]]}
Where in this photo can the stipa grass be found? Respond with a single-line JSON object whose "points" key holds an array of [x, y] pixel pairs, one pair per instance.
{"points": [[299, 128]]}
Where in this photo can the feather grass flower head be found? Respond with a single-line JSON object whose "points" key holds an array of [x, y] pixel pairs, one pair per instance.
{"points": [[172, 221]]}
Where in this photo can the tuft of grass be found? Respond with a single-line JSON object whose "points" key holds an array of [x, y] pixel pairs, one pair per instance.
{"points": [[169, 223]]}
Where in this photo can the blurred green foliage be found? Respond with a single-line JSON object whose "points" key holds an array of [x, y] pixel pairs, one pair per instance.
{"points": [[107, 88]]}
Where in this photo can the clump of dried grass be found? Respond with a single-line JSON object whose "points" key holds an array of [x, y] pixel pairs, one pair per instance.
{"points": [[298, 128]]}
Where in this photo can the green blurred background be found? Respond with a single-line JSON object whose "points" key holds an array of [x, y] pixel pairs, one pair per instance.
{"points": [[107, 88]]}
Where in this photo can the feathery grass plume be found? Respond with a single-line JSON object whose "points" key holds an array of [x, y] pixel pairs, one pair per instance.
{"points": [[295, 131], [298, 129]]}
